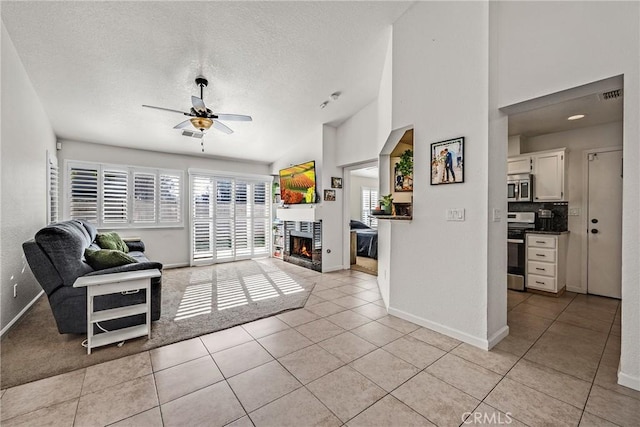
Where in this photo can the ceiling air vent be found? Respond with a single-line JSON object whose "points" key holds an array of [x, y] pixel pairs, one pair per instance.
{"points": [[192, 134], [612, 94]]}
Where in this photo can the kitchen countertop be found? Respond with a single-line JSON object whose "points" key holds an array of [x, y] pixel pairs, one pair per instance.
{"points": [[557, 233]]}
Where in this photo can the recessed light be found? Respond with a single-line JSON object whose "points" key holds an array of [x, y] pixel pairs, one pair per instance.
{"points": [[576, 117], [324, 104]]}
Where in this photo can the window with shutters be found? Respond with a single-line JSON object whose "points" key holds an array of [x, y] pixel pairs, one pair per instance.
{"points": [[170, 202], [230, 218], [144, 197], [369, 202], [123, 196], [52, 188]]}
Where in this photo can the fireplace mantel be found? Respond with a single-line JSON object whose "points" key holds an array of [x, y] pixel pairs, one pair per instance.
{"points": [[304, 213]]}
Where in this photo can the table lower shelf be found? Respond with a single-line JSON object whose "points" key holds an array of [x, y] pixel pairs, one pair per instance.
{"points": [[119, 335]]}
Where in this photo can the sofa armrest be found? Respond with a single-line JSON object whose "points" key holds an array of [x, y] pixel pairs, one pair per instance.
{"points": [[135, 245], [128, 267]]}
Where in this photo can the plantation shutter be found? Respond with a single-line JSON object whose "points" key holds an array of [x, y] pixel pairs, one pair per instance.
{"points": [[83, 192], [52, 173], [224, 219], [144, 197], [261, 215], [115, 193], [243, 228], [201, 190], [169, 204], [369, 202]]}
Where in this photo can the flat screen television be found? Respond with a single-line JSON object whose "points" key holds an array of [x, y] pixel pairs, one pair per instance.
{"points": [[298, 184]]}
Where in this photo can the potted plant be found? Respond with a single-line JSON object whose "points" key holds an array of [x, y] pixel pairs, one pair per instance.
{"points": [[386, 203], [404, 169]]}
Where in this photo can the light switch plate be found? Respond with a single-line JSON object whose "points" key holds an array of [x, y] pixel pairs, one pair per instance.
{"points": [[455, 214], [497, 215]]}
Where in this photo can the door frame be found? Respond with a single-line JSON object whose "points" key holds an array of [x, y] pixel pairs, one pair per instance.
{"points": [[346, 207], [585, 210]]}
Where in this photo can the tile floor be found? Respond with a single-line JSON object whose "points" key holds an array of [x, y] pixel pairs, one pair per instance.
{"points": [[342, 360]]}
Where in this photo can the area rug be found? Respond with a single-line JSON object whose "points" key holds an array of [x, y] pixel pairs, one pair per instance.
{"points": [[195, 301]]}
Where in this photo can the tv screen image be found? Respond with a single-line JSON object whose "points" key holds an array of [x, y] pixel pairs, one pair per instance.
{"points": [[298, 184]]}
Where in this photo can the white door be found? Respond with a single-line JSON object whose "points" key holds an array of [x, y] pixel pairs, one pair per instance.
{"points": [[604, 216]]}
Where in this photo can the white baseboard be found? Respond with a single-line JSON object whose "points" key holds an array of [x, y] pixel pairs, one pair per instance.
{"points": [[176, 265], [451, 332], [576, 290], [24, 310], [628, 380], [335, 268], [498, 336]]}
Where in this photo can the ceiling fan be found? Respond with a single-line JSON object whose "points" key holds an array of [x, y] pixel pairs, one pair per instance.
{"points": [[203, 118]]}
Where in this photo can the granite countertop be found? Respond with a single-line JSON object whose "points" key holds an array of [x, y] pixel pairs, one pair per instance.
{"points": [[557, 233]]}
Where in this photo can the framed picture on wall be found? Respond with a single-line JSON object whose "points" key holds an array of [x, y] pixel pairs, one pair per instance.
{"points": [[336, 182], [329, 195], [447, 161]]}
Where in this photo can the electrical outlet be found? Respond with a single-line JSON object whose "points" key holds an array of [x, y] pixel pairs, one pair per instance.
{"points": [[497, 215], [574, 212], [15, 290], [455, 214]]}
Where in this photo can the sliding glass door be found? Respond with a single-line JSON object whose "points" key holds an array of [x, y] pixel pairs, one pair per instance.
{"points": [[230, 218]]}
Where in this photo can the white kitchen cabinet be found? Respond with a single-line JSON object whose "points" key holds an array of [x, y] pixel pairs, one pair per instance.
{"points": [[549, 174], [519, 164], [546, 262]]}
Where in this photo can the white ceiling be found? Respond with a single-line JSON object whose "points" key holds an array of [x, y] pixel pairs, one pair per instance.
{"points": [[370, 172], [553, 118], [93, 64]]}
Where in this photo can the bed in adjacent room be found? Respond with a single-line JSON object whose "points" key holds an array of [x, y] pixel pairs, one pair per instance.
{"points": [[367, 239]]}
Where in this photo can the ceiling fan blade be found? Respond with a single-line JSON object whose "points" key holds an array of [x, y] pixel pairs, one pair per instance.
{"points": [[183, 125], [166, 109], [234, 117], [198, 104], [222, 127]]}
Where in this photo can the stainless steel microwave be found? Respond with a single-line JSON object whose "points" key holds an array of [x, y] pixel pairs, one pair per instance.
{"points": [[519, 188]]}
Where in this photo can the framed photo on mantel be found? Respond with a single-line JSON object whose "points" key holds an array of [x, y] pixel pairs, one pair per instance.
{"points": [[447, 161]]}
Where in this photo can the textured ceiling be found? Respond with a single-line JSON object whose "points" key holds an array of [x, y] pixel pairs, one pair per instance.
{"points": [[94, 64]]}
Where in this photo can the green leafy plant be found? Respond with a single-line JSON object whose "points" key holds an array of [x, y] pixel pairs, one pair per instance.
{"points": [[386, 202], [405, 165]]}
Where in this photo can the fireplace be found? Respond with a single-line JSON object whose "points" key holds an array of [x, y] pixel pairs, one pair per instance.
{"points": [[303, 244]]}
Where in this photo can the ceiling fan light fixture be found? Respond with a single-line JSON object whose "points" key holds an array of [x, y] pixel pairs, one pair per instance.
{"points": [[201, 123]]}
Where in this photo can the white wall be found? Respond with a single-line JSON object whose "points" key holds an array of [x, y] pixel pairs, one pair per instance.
{"points": [[579, 43], [169, 246], [576, 141], [355, 196], [332, 212], [440, 85], [26, 137], [361, 136]]}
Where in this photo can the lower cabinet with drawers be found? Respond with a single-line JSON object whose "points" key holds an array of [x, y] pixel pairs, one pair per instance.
{"points": [[546, 262]]}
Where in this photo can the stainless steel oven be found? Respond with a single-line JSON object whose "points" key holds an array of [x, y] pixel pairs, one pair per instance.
{"points": [[518, 224], [519, 188]]}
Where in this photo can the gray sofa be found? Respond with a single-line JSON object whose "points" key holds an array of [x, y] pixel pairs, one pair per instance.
{"points": [[56, 258]]}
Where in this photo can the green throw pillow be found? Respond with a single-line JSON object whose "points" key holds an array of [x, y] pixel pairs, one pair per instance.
{"points": [[107, 258], [111, 240]]}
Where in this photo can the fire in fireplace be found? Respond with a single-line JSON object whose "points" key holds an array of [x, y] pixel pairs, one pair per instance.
{"points": [[301, 247]]}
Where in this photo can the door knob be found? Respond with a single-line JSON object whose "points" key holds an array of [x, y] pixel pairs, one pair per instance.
{"points": [[594, 230], [594, 221]]}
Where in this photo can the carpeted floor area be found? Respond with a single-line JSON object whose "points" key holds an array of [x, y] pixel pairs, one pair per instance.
{"points": [[195, 301]]}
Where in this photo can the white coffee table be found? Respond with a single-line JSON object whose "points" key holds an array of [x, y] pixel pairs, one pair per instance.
{"points": [[111, 284]]}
